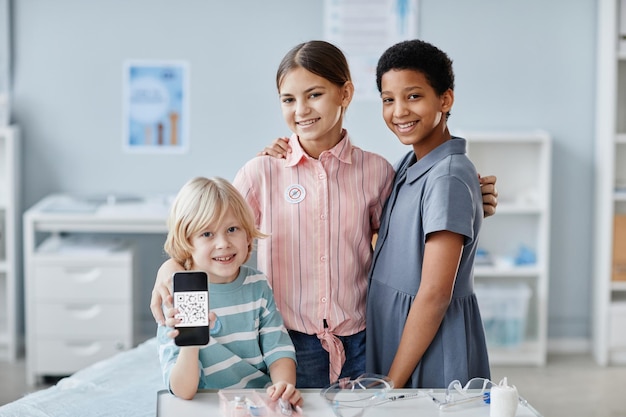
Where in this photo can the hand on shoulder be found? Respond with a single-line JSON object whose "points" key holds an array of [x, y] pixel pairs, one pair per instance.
{"points": [[277, 149]]}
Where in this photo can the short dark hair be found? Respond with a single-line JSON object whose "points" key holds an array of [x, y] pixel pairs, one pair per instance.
{"points": [[419, 56], [319, 57]]}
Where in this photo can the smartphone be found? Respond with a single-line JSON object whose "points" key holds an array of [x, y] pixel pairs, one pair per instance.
{"points": [[191, 298]]}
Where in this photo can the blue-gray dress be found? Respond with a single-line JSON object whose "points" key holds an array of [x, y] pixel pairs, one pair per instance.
{"points": [[439, 192]]}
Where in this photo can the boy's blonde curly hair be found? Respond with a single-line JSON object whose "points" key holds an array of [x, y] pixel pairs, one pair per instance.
{"points": [[200, 203]]}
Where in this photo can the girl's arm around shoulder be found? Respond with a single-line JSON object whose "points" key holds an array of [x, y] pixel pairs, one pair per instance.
{"points": [[490, 194], [277, 149], [161, 292]]}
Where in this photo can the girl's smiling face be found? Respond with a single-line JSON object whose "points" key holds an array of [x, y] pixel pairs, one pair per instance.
{"points": [[220, 249], [313, 109], [413, 110]]}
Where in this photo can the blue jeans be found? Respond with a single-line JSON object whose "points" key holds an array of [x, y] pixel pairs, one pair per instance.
{"points": [[313, 368]]}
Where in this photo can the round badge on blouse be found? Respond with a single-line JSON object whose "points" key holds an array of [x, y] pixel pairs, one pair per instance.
{"points": [[295, 193]]}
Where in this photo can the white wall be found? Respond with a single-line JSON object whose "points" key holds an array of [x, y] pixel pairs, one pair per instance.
{"points": [[519, 65]]}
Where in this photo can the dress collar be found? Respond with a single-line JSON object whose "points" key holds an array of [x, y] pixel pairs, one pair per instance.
{"points": [[455, 145]]}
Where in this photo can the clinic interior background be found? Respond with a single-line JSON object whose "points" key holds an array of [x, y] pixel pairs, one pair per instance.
{"points": [[520, 65]]}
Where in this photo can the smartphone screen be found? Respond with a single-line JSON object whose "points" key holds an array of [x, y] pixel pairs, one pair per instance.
{"points": [[191, 298]]}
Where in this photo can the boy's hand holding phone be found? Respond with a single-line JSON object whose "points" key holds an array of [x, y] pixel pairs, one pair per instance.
{"points": [[172, 321], [190, 314]]}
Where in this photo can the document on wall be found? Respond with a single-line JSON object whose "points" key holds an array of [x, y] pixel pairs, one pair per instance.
{"points": [[363, 29], [156, 97]]}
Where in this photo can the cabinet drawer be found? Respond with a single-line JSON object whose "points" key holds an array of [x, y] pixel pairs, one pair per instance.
{"points": [[83, 319], [80, 282], [64, 357]]}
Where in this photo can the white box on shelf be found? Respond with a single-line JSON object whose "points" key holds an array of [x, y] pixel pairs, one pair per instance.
{"points": [[617, 324], [504, 309]]}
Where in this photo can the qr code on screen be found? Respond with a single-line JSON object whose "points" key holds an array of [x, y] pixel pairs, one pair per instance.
{"points": [[192, 307]]}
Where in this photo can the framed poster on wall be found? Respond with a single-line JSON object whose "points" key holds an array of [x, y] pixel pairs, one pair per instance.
{"points": [[364, 30], [156, 109]]}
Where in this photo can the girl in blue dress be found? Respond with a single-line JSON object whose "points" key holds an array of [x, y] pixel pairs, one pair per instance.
{"points": [[423, 323]]}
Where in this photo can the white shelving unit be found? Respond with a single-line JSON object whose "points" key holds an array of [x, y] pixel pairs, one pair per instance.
{"points": [[516, 241], [9, 250], [609, 298]]}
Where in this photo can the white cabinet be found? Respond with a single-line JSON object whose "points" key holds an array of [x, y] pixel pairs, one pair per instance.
{"points": [[609, 285], [79, 304], [512, 271], [79, 297], [9, 250]]}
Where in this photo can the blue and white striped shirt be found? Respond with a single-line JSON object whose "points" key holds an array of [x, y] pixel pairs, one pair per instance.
{"points": [[250, 336]]}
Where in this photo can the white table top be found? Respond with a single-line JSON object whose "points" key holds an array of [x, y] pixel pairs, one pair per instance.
{"points": [[112, 213], [206, 403]]}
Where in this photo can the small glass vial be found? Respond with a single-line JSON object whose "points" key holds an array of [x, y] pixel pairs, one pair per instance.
{"points": [[239, 408]]}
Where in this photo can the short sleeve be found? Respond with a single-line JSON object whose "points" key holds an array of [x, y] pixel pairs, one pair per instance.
{"points": [[448, 205]]}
